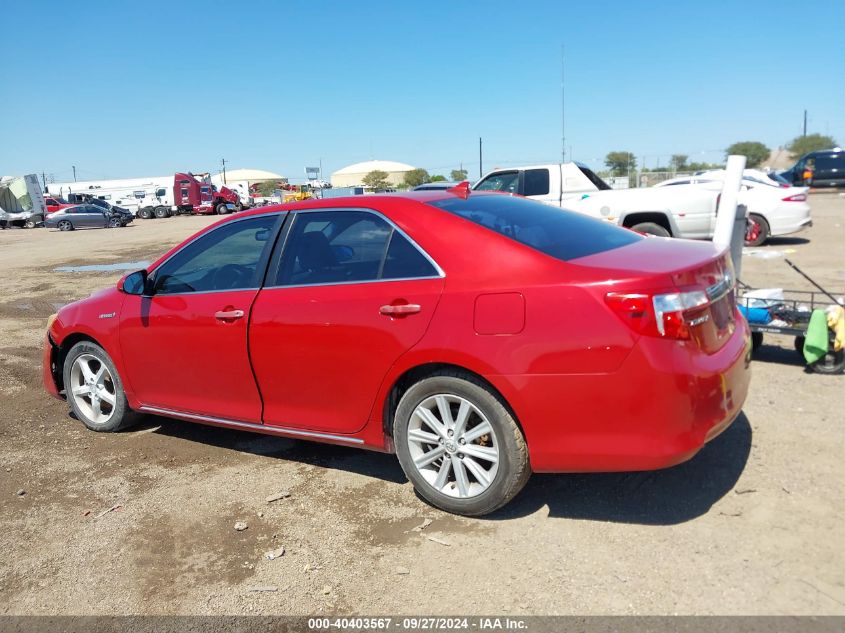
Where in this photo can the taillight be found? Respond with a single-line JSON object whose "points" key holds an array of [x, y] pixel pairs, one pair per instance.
{"points": [[660, 315], [798, 197]]}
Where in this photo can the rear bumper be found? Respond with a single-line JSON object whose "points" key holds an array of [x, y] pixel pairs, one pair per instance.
{"points": [[657, 410], [788, 220]]}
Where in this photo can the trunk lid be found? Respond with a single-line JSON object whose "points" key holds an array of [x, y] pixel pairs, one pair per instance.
{"points": [[695, 276]]}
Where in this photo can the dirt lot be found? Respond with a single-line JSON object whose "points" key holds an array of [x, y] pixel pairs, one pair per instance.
{"points": [[753, 524]]}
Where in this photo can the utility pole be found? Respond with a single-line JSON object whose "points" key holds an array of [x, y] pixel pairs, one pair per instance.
{"points": [[224, 171], [74, 172], [480, 170], [805, 123], [562, 111], [43, 181]]}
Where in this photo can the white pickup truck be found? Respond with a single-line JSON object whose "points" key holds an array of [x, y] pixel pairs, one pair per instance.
{"points": [[680, 211]]}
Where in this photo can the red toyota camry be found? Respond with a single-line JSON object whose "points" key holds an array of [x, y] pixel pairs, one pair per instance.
{"points": [[479, 336]]}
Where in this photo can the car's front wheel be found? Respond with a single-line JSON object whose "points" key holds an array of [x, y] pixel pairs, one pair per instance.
{"points": [[458, 444], [115, 223], [94, 389]]}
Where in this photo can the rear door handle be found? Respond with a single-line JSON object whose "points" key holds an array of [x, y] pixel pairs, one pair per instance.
{"points": [[229, 315], [400, 310]]}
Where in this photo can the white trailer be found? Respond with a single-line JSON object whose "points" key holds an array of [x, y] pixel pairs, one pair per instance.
{"points": [[21, 201], [145, 197]]}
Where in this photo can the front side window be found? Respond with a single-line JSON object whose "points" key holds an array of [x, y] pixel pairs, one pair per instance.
{"points": [[331, 247], [507, 181], [224, 259]]}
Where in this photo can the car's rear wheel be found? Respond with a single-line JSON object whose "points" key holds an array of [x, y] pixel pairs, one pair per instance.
{"points": [[760, 233], [162, 212], [65, 225], [651, 228], [459, 445], [115, 223], [34, 221], [94, 389]]}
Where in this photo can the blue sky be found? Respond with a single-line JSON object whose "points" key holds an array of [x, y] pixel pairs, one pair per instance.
{"points": [[124, 89]]}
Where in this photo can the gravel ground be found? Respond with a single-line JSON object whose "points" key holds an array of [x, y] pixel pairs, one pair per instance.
{"points": [[749, 526]]}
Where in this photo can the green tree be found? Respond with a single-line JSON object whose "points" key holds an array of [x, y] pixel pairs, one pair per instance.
{"points": [[376, 179], [678, 162], [458, 175], [810, 143], [266, 188], [620, 163], [755, 153], [416, 177], [438, 178]]}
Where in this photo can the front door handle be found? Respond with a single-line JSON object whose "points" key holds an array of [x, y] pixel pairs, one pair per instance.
{"points": [[229, 315], [400, 310]]}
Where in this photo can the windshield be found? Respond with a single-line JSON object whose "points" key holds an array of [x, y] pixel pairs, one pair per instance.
{"points": [[562, 234]]}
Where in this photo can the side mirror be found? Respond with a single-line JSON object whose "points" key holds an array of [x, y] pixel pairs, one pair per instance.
{"points": [[133, 283]]}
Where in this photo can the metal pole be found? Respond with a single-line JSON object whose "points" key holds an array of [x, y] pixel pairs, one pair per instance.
{"points": [[731, 218], [562, 111], [74, 172], [805, 123], [805, 276], [224, 171], [43, 181]]}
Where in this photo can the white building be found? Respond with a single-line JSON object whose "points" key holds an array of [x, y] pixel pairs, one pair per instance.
{"points": [[353, 175]]}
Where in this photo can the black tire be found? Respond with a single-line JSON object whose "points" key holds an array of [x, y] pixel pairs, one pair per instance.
{"points": [[833, 362], [763, 235], [513, 465], [33, 221], [162, 212], [115, 223], [651, 228], [221, 209], [799, 346], [64, 225], [121, 415], [146, 213], [756, 340]]}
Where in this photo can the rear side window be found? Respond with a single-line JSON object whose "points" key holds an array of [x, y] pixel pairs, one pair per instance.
{"points": [[600, 184], [562, 234], [332, 247], [830, 161], [536, 182]]}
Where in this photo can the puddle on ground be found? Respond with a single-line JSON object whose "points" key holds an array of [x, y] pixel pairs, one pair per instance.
{"points": [[102, 268]]}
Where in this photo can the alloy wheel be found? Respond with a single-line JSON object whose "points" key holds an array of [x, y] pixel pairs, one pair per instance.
{"points": [[92, 388], [453, 446]]}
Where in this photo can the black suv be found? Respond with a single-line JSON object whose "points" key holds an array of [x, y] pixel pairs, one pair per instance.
{"points": [[825, 168]]}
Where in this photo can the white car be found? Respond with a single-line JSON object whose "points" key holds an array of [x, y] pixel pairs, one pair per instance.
{"points": [[773, 209]]}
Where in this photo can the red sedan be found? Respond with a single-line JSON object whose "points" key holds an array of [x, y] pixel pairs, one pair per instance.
{"points": [[479, 336]]}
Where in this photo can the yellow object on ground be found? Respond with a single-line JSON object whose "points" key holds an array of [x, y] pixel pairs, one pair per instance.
{"points": [[836, 322]]}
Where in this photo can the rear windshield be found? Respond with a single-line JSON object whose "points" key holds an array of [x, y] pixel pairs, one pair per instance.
{"points": [[562, 234]]}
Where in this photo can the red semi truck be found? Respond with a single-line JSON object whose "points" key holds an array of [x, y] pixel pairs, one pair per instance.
{"points": [[200, 196]]}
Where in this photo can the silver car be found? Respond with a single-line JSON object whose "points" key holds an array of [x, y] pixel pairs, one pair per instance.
{"points": [[84, 216]]}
